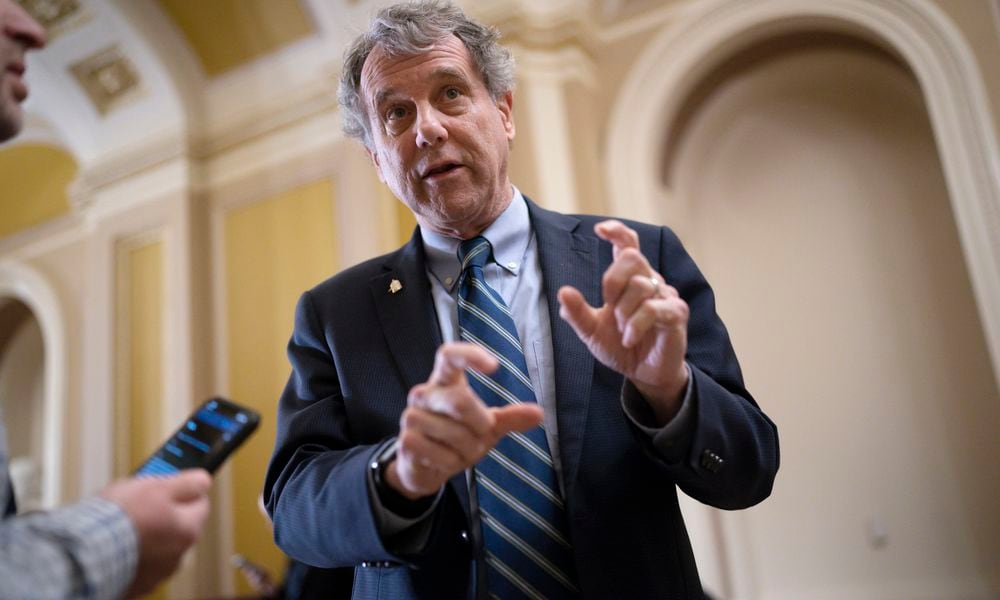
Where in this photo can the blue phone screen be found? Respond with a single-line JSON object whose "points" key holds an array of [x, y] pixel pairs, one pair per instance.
{"points": [[202, 435]]}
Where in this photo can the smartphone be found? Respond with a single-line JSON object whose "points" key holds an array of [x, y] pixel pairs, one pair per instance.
{"points": [[204, 441]]}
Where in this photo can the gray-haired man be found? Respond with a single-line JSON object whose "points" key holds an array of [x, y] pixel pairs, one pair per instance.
{"points": [[460, 420]]}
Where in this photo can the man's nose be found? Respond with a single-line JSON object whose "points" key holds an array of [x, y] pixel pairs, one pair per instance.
{"points": [[430, 130], [18, 24]]}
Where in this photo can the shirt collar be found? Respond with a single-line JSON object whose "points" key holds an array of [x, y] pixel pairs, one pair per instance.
{"points": [[509, 235]]}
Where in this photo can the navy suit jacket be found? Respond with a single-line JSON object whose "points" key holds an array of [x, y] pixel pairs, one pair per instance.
{"points": [[357, 349]]}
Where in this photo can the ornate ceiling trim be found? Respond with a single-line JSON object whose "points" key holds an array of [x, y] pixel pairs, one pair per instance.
{"points": [[57, 16], [108, 78]]}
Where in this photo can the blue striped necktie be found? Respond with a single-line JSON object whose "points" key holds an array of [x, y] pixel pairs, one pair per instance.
{"points": [[521, 509]]}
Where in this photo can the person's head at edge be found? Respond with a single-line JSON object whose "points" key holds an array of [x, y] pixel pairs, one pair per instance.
{"points": [[430, 94], [18, 34]]}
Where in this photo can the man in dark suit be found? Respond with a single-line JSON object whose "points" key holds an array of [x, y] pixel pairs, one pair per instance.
{"points": [[389, 425]]}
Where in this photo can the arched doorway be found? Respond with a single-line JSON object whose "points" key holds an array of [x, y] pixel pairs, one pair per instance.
{"points": [[22, 398], [35, 308], [806, 181]]}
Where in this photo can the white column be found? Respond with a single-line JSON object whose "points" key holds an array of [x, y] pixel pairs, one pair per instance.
{"points": [[543, 75]]}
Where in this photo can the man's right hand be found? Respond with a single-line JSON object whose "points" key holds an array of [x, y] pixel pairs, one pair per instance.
{"points": [[446, 428], [168, 516]]}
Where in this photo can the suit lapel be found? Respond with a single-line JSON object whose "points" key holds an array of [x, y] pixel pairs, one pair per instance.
{"points": [[402, 296], [409, 322], [568, 257]]}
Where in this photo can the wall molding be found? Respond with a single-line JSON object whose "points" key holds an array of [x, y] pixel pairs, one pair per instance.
{"points": [[20, 281], [677, 60]]}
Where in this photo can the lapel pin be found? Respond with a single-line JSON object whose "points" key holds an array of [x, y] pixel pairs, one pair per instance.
{"points": [[394, 286]]}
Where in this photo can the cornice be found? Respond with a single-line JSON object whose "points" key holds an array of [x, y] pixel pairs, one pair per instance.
{"points": [[541, 25]]}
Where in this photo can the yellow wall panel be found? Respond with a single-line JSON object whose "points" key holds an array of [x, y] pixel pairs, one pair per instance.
{"points": [[274, 250], [34, 179], [227, 33], [144, 429], [139, 417]]}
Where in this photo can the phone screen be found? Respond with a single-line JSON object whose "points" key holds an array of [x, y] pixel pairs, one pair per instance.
{"points": [[204, 441]]}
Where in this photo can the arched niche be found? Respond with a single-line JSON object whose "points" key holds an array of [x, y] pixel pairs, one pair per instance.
{"points": [[677, 61], [22, 391], [25, 286], [807, 182]]}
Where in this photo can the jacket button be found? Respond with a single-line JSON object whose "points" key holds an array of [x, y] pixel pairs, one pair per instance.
{"points": [[464, 535], [710, 461], [365, 564]]}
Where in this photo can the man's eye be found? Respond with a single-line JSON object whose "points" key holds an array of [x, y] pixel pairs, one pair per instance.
{"points": [[395, 113], [452, 93]]}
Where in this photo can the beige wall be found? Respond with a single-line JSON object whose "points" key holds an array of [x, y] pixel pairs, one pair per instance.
{"points": [[809, 188]]}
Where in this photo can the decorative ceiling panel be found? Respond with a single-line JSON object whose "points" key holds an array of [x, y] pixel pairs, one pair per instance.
{"points": [[57, 16], [108, 77]]}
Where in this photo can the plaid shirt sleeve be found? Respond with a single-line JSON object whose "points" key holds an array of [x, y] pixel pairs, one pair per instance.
{"points": [[88, 550]]}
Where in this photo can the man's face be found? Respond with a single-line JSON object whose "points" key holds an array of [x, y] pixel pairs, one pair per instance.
{"points": [[18, 32], [440, 141]]}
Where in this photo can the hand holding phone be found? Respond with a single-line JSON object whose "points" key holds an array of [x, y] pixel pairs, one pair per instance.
{"points": [[168, 516]]}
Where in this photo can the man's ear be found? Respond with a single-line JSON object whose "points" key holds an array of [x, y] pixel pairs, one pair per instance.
{"points": [[373, 156], [505, 104]]}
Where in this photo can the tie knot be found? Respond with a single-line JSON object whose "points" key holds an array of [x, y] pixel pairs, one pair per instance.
{"points": [[475, 252]]}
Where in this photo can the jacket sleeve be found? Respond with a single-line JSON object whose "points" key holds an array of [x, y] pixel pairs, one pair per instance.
{"points": [[729, 456], [86, 550], [317, 489]]}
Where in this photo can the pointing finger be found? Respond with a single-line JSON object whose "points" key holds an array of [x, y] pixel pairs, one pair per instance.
{"points": [[458, 403], [517, 417], [452, 359]]}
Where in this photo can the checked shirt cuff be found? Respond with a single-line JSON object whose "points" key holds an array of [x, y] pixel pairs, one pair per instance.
{"points": [[86, 550]]}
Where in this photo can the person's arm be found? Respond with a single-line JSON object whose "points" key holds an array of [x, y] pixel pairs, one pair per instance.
{"points": [[669, 440], [87, 550], [731, 451], [319, 483], [660, 330], [124, 541]]}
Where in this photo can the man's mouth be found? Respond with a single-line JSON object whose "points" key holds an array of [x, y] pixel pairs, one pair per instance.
{"points": [[443, 169], [20, 89]]}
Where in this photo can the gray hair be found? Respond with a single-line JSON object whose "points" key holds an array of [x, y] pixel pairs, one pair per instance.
{"points": [[411, 28]]}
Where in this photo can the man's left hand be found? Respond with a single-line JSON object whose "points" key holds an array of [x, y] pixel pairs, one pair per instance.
{"points": [[641, 331]]}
